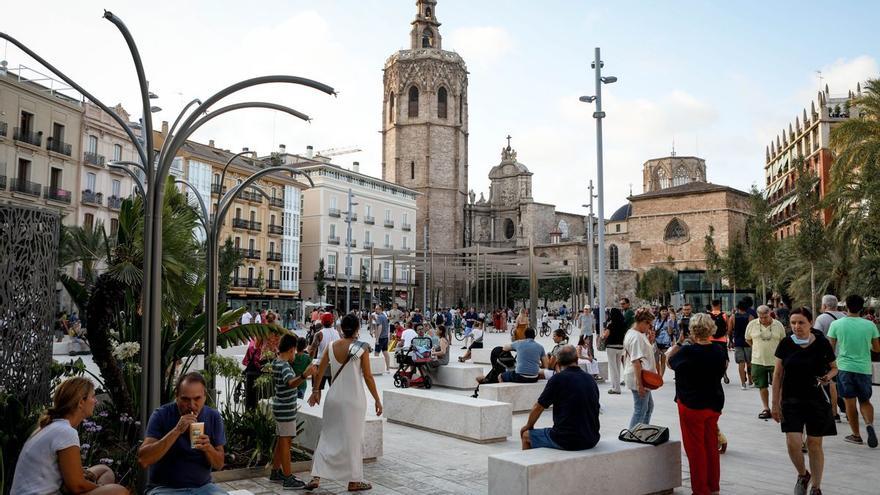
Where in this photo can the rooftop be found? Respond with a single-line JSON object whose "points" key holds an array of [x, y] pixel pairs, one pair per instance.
{"points": [[696, 187]]}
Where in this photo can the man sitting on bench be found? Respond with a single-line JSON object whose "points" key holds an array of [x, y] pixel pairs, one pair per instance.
{"points": [[575, 399], [530, 358]]}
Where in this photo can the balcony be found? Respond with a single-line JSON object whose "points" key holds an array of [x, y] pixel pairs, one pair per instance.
{"points": [[405, 226], [276, 202], [252, 196], [276, 229], [354, 217], [2, 182], [369, 220], [217, 189], [92, 198], [389, 246], [26, 187], [368, 244], [4, 129], [29, 137], [333, 239], [243, 282], [351, 243], [114, 202], [239, 223], [57, 194], [389, 224], [273, 285], [334, 212], [58, 146], [249, 254], [254, 226], [273, 256], [93, 159]]}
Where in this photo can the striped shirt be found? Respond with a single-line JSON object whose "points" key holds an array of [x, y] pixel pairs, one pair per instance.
{"points": [[284, 402]]}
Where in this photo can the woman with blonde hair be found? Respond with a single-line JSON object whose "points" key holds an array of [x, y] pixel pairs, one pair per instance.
{"points": [[522, 322], [639, 355], [50, 459], [699, 368]]}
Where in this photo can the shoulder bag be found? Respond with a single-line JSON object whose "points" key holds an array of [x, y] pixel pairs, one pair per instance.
{"points": [[647, 434], [651, 380]]}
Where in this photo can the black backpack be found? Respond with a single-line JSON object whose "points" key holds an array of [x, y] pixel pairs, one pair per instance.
{"points": [[720, 325]]}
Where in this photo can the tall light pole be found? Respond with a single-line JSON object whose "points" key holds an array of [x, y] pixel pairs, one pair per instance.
{"points": [[590, 263], [348, 265], [599, 115]]}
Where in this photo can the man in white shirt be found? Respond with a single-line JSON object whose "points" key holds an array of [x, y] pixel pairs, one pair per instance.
{"points": [[257, 317], [407, 337], [246, 318]]}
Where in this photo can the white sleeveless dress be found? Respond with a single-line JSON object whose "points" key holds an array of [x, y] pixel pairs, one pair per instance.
{"points": [[339, 455]]}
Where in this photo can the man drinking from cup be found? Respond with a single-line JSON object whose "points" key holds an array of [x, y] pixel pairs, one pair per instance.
{"points": [[184, 442]]}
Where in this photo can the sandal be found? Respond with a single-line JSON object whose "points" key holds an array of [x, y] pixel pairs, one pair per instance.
{"points": [[359, 486], [313, 484], [765, 414]]}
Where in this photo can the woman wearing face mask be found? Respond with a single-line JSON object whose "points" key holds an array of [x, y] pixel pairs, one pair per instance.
{"points": [[805, 362]]}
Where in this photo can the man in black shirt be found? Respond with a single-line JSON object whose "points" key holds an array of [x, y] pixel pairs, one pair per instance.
{"points": [[575, 399]]}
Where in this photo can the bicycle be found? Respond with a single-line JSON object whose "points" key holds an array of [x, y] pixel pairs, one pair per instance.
{"points": [[459, 333], [545, 329]]}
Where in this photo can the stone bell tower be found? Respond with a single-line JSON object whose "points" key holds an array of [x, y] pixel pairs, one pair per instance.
{"points": [[425, 130]]}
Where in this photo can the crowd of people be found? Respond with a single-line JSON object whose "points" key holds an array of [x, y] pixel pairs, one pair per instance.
{"points": [[805, 369]]}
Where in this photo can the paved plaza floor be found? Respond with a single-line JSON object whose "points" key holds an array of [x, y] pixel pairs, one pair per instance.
{"points": [[756, 462]]}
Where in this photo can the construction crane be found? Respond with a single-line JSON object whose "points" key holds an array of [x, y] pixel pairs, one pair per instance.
{"points": [[337, 151]]}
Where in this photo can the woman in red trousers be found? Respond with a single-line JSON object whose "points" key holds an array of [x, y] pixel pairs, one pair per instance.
{"points": [[699, 366]]}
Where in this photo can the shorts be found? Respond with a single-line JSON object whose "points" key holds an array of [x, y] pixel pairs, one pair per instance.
{"points": [[514, 377], [852, 385], [381, 345], [540, 438], [742, 354], [762, 376], [815, 415], [476, 345], [285, 428]]}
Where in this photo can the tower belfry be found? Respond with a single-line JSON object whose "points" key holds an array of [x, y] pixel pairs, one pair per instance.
{"points": [[425, 28]]}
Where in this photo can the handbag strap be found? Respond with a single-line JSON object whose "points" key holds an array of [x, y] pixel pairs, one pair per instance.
{"points": [[351, 352]]}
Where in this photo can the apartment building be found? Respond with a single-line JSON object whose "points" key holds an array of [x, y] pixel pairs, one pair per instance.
{"points": [[383, 234], [808, 137], [39, 142], [266, 231]]}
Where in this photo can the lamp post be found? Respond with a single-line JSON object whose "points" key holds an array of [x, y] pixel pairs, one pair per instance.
{"points": [[590, 266], [348, 266], [599, 115]]}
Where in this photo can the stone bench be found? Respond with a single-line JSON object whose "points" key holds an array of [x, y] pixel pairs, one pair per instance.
{"points": [[475, 420], [559, 472], [521, 396], [377, 364], [481, 356], [875, 376], [461, 376], [312, 418], [603, 370]]}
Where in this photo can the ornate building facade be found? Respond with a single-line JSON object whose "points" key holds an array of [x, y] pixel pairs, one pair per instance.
{"points": [[671, 171], [425, 130]]}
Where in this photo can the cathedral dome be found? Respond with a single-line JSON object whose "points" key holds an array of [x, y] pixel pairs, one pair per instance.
{"points": [[622, 213]]}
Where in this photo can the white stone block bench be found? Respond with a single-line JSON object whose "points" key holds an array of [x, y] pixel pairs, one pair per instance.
{"points": [[475, 420], [559, 472], [377, 364], [460, 376], [603, 370], [875, 376], [312, 418], [521, 396], [481, 356]]}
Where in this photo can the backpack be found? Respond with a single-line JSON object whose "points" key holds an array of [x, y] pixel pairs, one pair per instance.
{"points": [[720, 325]]}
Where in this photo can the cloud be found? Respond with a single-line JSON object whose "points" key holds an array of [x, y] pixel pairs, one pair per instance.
{"points": [[481, 46], [841, 76]]}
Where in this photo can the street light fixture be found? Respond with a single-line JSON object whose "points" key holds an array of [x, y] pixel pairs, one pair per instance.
{"points": [[597, 65], [348, 265]]}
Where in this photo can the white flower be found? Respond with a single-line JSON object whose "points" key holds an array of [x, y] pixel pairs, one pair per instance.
{"points": [[126, 350]]}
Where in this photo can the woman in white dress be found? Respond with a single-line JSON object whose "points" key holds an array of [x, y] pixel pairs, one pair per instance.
{"points": [[339, 455]]}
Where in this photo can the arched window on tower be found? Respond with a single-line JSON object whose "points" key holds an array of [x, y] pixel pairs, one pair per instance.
{"points": [[681, 177], [413, 107], [391, 108], [427, 38], [460, 108], [662, 179], [428, 12], [441, 103], [412, 170], [613, 257]]}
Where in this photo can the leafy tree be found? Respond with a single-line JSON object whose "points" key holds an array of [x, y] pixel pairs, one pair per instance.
{"points": [[260, 283], [656, 284], [554, 289], [713, 259], [229, 258], [320, 279], [761, 245], [809, 243], [735, 266]]}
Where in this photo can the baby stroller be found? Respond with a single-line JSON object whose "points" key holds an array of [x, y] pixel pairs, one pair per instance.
{"points": [[501, 361], [411, 361]]}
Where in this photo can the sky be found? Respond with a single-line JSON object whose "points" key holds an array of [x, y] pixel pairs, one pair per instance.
{"points": [[718, 79]]}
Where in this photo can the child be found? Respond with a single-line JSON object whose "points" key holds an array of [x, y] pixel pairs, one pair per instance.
{"points": [[283, 406], [301, 362]]}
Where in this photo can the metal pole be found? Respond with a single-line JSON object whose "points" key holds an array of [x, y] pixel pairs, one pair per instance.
{"points": [[598, 115], [533, 288], [433, 284], [394, 279], [477, 278], [590, 248], [348, 267], [372, 277]]}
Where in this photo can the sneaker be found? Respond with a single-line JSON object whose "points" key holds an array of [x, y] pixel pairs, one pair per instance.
{"points": [[853, 439], [800, 487], [745, 387], [276, 476], [872, 437], [612, 391], [293, 483], [464, 347]]}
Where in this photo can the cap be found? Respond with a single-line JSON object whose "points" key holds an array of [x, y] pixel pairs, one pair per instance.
{"points": [[327, 319]]}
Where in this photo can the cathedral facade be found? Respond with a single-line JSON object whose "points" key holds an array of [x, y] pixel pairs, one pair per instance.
{"points": [[425, 130]]}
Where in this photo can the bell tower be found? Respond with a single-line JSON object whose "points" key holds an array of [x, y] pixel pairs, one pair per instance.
{"points": [[425, 130]]}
